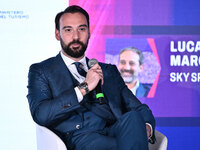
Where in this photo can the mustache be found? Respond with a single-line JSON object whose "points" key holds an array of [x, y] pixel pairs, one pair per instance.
{"points": [[128, 71], [76, 42]]}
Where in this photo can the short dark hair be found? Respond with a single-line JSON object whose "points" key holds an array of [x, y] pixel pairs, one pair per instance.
{"points": [[137, 51], [71, 9]]}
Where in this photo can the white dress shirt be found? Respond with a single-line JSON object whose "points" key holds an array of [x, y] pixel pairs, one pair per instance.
{"points": [[72, 68], [134, 89]]}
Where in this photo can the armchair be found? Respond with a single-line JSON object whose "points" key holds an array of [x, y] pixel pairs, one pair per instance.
{"points": [[48, 140]]}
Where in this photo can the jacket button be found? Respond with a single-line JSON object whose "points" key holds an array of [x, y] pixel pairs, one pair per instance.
{"points": [[67, 133], [78, 126]]}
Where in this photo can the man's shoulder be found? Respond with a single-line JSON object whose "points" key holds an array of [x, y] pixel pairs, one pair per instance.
{"points": [[109, 70], [146, 86], [107, 66], [45, 63], [143, 89]]}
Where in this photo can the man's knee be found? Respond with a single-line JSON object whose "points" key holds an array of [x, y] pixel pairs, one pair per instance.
{"points": [[95, 141], [133, 116]]}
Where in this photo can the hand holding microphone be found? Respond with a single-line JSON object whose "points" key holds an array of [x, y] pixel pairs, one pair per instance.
{"points": [[94, 79]]}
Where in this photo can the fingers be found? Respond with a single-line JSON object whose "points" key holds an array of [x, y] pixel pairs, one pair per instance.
{"points": [[96, 66], [97, 69], [148, 129], [94, 75]]}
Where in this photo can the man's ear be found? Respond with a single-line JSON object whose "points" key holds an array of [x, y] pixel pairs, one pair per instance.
{"points": [[141, 67], [57, 34], [89, 34]]}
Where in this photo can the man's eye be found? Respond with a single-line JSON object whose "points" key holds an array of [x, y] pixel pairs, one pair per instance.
{"points": [[131, 63], [123, 62], [68, 30], [82, 29]]}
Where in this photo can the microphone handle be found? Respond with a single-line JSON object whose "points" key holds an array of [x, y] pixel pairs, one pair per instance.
{"points": [[100, 100], [99, 93]]}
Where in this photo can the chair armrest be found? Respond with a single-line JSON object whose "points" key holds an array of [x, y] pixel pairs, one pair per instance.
{"points": [[160, 143], [48, 140]]}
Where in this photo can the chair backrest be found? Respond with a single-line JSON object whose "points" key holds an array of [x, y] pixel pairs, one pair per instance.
{"points": [[161, 142], [48, 140]]}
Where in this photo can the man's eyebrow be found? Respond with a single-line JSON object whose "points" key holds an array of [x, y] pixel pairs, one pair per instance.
{"points": [[66, 27], [83, 25]]}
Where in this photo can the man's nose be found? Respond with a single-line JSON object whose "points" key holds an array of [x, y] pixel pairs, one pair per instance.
{"points": [[76, 35], [127, 66]]}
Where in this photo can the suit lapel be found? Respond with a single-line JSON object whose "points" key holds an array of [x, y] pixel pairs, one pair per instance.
{"points": [[140, 91], [111, 94], [113, 101], [61, 74]]}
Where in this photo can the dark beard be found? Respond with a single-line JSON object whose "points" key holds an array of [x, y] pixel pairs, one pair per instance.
{"points": [[74, 52]]}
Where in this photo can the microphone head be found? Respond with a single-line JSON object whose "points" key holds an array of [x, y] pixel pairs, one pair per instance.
{"points": [[92, 62]]}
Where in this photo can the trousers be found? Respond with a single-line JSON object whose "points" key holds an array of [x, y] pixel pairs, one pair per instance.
{"points": [[127, 133]]}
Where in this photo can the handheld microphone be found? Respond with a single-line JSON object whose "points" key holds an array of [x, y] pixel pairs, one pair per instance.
{"points": [[99, 93]]}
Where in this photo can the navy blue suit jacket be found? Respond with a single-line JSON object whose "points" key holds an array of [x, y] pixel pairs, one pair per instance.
{"points": [[53, 100], [143, 90]]}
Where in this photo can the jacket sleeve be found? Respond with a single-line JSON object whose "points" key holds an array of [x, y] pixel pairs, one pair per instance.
{"points": [[46, 109]]}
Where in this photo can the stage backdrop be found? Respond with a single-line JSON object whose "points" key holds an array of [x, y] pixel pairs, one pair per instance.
{"points": [[167, 32]]}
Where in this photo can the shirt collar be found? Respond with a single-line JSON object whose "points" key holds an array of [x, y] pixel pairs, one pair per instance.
{"points": [[68, 61], [134, 89], [137, 84]]}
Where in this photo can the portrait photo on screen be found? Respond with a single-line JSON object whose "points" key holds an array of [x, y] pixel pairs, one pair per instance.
{"points": [[136, 62]]}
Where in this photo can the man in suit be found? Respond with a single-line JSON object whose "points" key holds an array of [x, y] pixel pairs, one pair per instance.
{"points": [[62, 95], [131, 64]]}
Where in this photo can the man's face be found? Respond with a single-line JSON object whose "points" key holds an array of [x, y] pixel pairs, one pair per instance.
{"points": [[74, 34], [129, 66]]}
